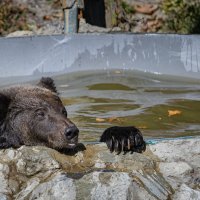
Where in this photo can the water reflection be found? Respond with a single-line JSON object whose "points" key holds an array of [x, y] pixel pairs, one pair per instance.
{"points": [[131, 98]]}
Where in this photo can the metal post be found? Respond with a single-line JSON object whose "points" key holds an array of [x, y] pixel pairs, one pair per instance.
{"points": [[70, 10]]}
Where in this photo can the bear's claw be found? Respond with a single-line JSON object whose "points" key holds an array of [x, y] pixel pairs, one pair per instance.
{"points": [[125, 139]]}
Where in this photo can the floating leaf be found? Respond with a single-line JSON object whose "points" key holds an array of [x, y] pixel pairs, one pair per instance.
{"points": [[142, 127], [100, 120], [111, 119], [173, 112]]}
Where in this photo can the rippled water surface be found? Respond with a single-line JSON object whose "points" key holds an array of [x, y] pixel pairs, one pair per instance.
{"points": [[160, 106]]}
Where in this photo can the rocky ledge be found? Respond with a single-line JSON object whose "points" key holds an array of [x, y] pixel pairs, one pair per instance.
{"points": [[167, 170]]}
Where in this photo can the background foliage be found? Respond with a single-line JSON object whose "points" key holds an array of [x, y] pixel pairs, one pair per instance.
{"points": [[183, 16]]}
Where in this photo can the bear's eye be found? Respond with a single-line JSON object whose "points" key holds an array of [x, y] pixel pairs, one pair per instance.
{"points": [[40, 113], [64, 112]]}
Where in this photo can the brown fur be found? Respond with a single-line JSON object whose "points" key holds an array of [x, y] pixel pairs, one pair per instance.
{"points": [[35, 115]]}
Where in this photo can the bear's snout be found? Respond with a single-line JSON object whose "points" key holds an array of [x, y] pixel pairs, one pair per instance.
{"points": [[71, 132], [37, 117]]}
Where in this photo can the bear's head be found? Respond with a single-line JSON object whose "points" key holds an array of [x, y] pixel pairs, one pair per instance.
{"points": [[35, 115]]}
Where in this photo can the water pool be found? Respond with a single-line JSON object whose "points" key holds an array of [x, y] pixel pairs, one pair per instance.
{"points": [[160, 106]]}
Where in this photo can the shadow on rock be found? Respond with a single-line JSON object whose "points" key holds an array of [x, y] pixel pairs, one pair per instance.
{"points": [[71, 152]]}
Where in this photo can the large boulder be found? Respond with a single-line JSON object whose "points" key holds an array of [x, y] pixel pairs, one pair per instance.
{"points": [[168, 169]]}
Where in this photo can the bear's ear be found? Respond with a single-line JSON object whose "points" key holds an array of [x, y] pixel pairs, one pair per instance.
{"points": [[4, 104], [48, 83]]}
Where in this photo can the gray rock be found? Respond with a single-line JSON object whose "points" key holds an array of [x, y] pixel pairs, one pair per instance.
{"points": [[186, 193], [115, 186], [154, 184], [9, 155], [3, 197], [87, 28], [32, 161], [110, 185], [179, 150], [127, 27], [58, 187], [30, 186], [4, 182], [168, 169], [20, 33], [139, 193], [129, 163], [176, 172]]}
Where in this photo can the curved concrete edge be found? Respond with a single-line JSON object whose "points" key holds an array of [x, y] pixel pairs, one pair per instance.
{"points": [[166, 54]]}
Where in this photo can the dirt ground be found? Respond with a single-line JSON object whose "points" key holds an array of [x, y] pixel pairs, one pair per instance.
{"points": [[37, 16]]}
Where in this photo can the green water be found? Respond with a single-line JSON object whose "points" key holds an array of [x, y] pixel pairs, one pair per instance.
{"points": [[160, 106]]}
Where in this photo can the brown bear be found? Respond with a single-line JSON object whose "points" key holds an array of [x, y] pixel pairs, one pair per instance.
{"points": [[35, 115]]}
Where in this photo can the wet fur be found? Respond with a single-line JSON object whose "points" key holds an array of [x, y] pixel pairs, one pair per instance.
{"points": [[22, 121], [124, 139], [35, 115]]}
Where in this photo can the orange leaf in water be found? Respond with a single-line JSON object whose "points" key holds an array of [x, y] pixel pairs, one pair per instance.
{"points": [[111, 119], [173, 112], [142, 127], [100, 120]]}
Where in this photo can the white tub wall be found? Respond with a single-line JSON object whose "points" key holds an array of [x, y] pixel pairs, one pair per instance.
{"points": [[169, 54]]}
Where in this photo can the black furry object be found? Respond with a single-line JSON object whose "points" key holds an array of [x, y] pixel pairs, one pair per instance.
{"points": [[48, 83], [124, 139]]}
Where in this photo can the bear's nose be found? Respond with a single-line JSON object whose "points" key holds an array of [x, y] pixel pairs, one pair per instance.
{"points": [[71, 132]]}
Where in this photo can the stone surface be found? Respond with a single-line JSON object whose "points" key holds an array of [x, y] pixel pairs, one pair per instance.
{"points": [[167, 170], [32, 161], [106, 185], [179, 150], [186, 193], [20, 34], [4, 183], [87, 28], [59, 187], [176, 172]]}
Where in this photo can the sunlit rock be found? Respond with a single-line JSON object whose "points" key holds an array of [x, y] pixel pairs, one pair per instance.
{"points": [[168, 169]]}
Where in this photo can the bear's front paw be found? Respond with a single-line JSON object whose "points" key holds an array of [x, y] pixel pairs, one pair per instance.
{"points": [[125, 139]]}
